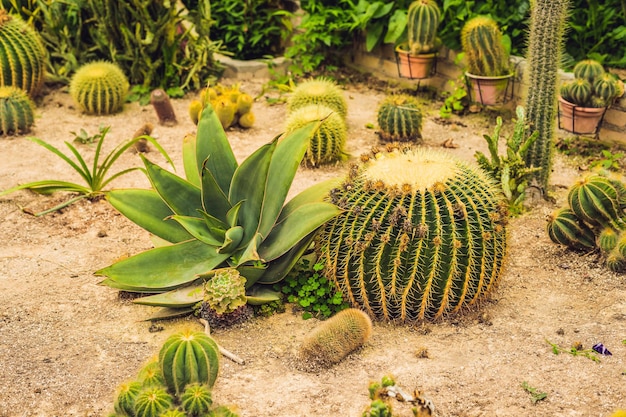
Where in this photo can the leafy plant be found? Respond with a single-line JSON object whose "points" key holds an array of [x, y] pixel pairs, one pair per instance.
{"points": [[535, 394], [95, 176], [379, 21], [574, 351], [85, 138], [311, 291], [510, 170], [222, 214], [611, 161]]}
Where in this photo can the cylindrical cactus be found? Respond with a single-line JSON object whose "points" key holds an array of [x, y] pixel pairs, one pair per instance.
{"points": [[567, 229], [328, 142], [423, 18], [124, 403], [588, 69], [580, 91], [594, 200], [99, 88], [481, 40], [400, 119], [422, 235], [336, 337], [605, 87], [16, 111], [244, 103], [196, 399], [189, 357], [318, 91], [22, 55], [152, 402], [162, 105]]}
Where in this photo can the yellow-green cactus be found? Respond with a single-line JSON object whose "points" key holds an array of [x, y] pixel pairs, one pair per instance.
{"points": [[99, 88], [16, 111], [318, 91]]}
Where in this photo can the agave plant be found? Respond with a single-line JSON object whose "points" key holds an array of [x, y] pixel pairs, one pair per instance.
{"points": [[223, 214]]}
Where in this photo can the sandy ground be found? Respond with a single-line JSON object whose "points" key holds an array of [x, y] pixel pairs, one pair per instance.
{"points": [[66, 343]]}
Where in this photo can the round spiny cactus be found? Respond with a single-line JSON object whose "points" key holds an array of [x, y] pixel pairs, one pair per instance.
{"points": [[605, 87], [400, 119], [481, 40], [588, 69], [422, 235], [246, 120], [223, 411], [189, 357], [580, 91], [173, 413], [318, 91], [150, 374], [99, 88], [152, 402], [16, 111], [22, 55], [595, 200], [225, 110], [196, 399], [244, 103], [607, 239], [225, 291], [327, 144], [567, 229], [125, 398], [423, 18], [336, 337]]}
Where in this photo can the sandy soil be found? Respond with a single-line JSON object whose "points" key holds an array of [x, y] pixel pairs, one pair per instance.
{"points": [[66, 343]]}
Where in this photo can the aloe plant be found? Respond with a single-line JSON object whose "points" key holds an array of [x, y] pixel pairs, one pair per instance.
{"points": [[223, 214]]}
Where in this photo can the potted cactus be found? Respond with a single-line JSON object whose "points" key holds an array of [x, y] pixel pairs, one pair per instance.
{"points": [[583, 101], [488, 66], [415, 58]]}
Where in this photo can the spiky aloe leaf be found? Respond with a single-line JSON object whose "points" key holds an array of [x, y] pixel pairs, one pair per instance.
{"points": [[186, 296]]}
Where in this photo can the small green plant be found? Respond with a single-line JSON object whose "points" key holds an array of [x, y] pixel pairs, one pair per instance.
{"points": [[574, 351], [611, 161], [535, 394], [311, 291], [95, 176], [85, 138], [454, 101], [381, 393]]}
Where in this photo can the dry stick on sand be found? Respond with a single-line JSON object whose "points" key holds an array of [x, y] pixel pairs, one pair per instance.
{"points": [[229, 355]]}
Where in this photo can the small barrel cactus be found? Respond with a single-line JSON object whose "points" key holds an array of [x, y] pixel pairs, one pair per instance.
{"points": [[196, 399], [22, 55], [481, 40], [336, 337], [231, 105], [327, 144], [16, 111], [152, 402], [423, 18], [225, 291], [422, 235], [595, 201], [588, 69], [189, 357], [124, 403], [567, 229], [173, 413], [224, 411], [580, 91], [605, 87], [99, 88], [150, 374], [246, 120], [318, 91], [400, 119]]}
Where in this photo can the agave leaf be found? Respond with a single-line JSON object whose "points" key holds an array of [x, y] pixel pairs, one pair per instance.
{"points": [[315, 193], [198, 228], [214, 200], [301, 222], [232, 239], [258, 294], [164, 268], [252, 273], [180, 195], [166, 313], [146, 209], [250, 253], [214, 223], [190, 164], [232, 217], [186, 296], [278, 269], [213, 147], [283, 167]]}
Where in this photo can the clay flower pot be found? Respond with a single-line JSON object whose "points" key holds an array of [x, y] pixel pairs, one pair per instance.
{"points": [[488, 90], [414, 66], [579, 120]]}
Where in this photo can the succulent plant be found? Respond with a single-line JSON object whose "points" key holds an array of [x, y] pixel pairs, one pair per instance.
{"points": [[225, 110], [150, 374], [173, 413], [423, 18], [225, 290], [189, 357], [588, 69], [328, 142], [595, 200], [246, 120], [232, 106], [378, 408], [196, 400], [481, 40], [318, 91], [223, 411], [152, 402], [567, 229], [591, 87], [605, 87], [335, 338], [99, 88], [223, 214], [162, 105], [400, 118], [421, 235], [22, 55], [16, 111], [125, 398]]}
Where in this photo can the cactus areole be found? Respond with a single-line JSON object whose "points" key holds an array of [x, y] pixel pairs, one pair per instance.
{"points": [[422, 235]]}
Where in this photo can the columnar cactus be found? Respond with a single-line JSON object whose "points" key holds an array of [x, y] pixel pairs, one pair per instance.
{"points": [[481, 40], [422, 235], [16, 111], [328, 142], [423, 18], [99, 88], [22, 55], [400, 119], [318, 91], [188, 357]]}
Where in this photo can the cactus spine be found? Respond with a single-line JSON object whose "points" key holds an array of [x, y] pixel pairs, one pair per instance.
{"points": [[16, 111], [545, 42], [422, 235], [99, 88], [22, 55], [189, 357], [422, 22], [336, 337], [318, 91], [481, 40], [152, 402], [400, 119]]}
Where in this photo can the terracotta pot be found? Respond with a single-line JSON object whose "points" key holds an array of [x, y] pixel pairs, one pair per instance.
{"points": [[488, 90], [579, 120], [414, 66]]}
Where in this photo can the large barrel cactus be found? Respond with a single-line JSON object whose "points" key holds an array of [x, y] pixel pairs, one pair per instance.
{"points": [[22, 55], [422, 235], [481, 40], [318, 91], [423, 18], [16, 111], [400, 118], [99, 88]]}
